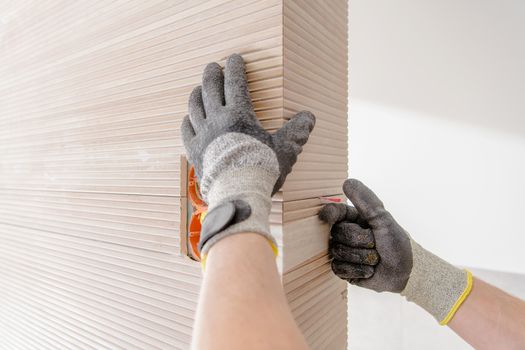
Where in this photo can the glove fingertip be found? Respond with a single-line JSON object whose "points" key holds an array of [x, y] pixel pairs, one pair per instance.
{"points": [[300, 126], [212, 68], [307, 117], [329, 213], [333, 212], [186, 129], [351, 185], [235, 59], [195, 100]]}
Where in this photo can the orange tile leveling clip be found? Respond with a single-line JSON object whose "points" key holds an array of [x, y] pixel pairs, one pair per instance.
{"points": [[200, 209]]}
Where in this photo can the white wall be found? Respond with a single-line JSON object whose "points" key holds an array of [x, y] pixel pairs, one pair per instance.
{"points": [[437, 130], [437, 122]]}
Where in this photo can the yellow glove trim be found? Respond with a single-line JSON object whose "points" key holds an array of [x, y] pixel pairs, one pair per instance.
{"points": [[203, 262], [275, 251], [460, 300]]}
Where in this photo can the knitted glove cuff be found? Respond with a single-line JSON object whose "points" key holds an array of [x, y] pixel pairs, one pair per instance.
{"points": [[242, 170], [252, 186], [237, 151], [437, 286]]}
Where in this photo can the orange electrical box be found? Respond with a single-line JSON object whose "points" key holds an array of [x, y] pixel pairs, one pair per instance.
{"points": [[200, 209]]}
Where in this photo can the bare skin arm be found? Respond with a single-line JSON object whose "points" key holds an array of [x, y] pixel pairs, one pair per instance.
{"points": [[242, 303], [490, 319]]}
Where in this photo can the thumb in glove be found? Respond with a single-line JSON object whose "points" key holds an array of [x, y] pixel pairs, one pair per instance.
{"points": [[370, 249]]}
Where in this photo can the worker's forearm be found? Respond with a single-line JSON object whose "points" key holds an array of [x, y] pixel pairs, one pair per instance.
{"points": [[491, 319], [242, 303]]}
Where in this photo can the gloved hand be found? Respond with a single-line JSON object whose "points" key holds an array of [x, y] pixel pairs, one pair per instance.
{"points": [[370, 249], [238, 164]]}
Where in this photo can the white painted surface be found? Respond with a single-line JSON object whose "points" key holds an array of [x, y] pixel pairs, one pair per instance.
{"points": [[437, 130], [458, 189], [437, 122]]}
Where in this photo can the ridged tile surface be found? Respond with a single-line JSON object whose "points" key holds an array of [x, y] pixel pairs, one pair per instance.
{"points": [[92, 205]]}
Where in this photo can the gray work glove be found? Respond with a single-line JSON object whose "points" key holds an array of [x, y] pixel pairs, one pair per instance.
{"points": [[370, 249], [238, 164]]}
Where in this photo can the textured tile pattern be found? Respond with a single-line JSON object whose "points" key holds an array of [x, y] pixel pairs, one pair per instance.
{"points": [[92, 195]]}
